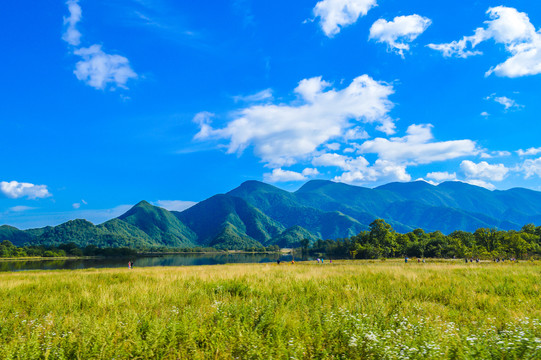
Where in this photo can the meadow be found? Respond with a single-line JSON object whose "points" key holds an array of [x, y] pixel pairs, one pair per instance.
{"points": [[344, 310]]}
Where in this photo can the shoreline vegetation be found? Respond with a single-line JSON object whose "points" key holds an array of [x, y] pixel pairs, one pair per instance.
{"points": [[351, 309], [380, 241]]}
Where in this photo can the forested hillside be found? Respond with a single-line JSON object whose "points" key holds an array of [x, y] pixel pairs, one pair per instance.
{"points": [[256, 215]]}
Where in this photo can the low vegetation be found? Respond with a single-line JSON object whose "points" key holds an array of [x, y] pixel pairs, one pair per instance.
{"points": [[343, 310]]}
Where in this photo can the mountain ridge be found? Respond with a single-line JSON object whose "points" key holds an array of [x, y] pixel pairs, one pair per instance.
{"points": [[257, 214]]}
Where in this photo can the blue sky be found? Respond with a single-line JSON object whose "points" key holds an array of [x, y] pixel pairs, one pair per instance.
{"points": [[106, 103]]}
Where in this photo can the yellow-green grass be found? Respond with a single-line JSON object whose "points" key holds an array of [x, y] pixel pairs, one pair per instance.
{"points": [[343, 310]]}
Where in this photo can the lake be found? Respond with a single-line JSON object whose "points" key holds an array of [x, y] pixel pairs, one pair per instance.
{"points": [[142, 261]]}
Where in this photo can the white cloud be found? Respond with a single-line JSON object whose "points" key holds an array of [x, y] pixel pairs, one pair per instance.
{"points": [[279, 175], [285, 134], [484, 170], [530, 151], [310, 172], [99, 69], [382, 170], [485, 114], [203, 119], [16, 190], [358, 170], [336, 14], [480, 183], [399, 32], [507, 102], [257, 97], [441, 176], [175, 205], [494, 154], [511, 28], [532, 167], [78, 204], [341, 161], [333, 146], [455, 48], [356, 134], [417, 147], [72, 36]]}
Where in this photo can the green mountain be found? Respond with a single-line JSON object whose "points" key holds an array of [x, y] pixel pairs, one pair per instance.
{"points": [[214, 219], [160, 225], [256, 214], [16, 236], [291, 237], [289, 210]]}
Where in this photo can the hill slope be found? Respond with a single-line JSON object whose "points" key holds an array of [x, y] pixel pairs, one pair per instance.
{"points": [[256, 214]]}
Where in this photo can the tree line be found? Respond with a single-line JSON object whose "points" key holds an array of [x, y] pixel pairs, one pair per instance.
{"points": [[382, 241], [8, 250]]}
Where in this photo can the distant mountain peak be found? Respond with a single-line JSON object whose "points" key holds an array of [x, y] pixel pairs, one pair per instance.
{"points": [[312, 185], [460, 185], [254, 186], [413, 185], [143, 203]]}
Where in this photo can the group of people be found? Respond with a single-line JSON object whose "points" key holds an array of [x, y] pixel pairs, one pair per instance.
{"points": [[130, 264], [321, 261], [418, 260]]}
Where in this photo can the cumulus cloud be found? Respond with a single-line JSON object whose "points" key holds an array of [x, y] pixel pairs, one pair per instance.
{"points": [[285, 134], [399, 32], [418, 147], [359, 170], [382, 170], [337, 14], [531, 167], [441, 176], [17, 190], [99, 69], [279, 175], [484, 170], [72, 36], [511, 28], [530, 151], [310, 172], [341, 161], [175, 205]]}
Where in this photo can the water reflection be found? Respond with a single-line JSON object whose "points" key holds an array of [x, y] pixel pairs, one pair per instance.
{"points": [[142, 261]]}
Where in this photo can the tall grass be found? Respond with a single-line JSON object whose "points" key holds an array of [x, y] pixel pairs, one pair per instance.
{"points": [[344, 310]]}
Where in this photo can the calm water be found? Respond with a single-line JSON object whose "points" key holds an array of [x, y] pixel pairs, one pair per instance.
{"points": [[142, 261]]}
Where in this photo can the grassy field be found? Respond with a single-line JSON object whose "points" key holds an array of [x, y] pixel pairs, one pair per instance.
{"points": [[344, 310]]}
